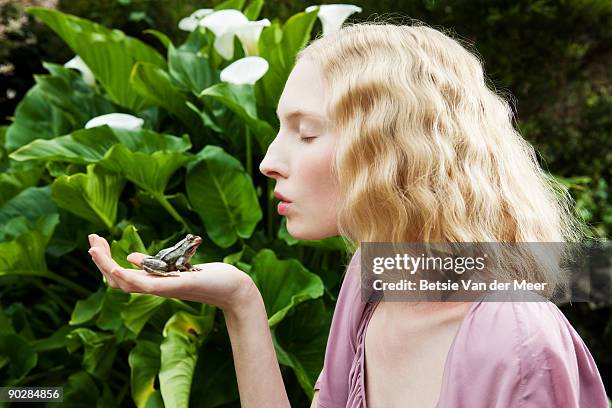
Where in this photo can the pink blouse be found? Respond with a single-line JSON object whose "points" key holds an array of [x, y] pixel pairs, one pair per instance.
{"points": [[505, 354]]}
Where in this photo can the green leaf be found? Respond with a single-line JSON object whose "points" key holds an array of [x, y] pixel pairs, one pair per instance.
{"points": [[150, 172], [66, 90], [230, 4], [90, 145], [20, 355], [300, 340], [270, 87], [36, 118], [283, 284], [80, 390], [130, 242], [240, 99], [253, 9], [110, 312], [163, 38], [191, 69], [183, 335], [32, 203], [25, 255], [139, 309], [296, 33], [144, 360], [93, 196], [155, 83], [223, 195], [86, 309], [54, 342], [17, 177], [100, 350], [97, 46], [57, 104]]}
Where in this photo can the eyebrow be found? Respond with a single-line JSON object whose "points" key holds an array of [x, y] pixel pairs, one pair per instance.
{"points": [[300, 112]]}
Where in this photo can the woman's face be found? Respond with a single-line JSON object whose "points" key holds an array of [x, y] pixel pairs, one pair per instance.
{"points": [[302, 167]]}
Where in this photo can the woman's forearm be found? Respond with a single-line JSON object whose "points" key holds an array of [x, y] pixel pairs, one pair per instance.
{"points": [[259, 378]]}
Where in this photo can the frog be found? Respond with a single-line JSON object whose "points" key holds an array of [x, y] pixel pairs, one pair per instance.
{"points": [[175, 259]]}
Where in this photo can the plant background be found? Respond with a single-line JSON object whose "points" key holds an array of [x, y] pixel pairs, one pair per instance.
{"points": [[551, 57]]}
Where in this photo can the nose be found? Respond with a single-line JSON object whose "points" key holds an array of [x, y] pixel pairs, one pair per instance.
{"points": [[271, 166]]}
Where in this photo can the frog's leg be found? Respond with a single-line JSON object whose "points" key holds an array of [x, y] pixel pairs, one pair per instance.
{"points": [[153, 264], [156, 266], [181, 263], [190, 267]]}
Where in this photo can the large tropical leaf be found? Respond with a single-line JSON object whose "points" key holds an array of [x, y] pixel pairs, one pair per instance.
{"points": [[283, 284], [97, 46], [36, 118], [93, 196], [99, 350], [155, 83], [90, 145], [17, 177], [300, 341], [191, 69], [223, 195], [149, 172], [240, 99], [31, 203], [144, 360], [183, 335]]}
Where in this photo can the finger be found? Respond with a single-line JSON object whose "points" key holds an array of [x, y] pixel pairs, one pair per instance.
{"points": [[136, 258], [134, 280], [96, 260], [102, 244]]}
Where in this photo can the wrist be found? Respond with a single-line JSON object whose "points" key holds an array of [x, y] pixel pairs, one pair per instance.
{"points": [[246, 301]]}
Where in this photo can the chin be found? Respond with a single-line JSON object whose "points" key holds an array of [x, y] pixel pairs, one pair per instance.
{"points": [[309, 233]]}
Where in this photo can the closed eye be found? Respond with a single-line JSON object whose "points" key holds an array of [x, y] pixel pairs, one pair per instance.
{"points": [[307, 139]]}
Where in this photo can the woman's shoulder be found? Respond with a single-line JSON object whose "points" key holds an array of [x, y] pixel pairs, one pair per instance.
{"points": [[527, 353], [534, 328]]}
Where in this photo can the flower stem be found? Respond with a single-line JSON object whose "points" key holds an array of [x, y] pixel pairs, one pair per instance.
{"points": [[166, 204], [249, 162], [185, 306], [67, 282], [53, 296]]}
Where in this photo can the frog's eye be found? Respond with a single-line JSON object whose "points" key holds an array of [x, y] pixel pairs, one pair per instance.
{"points": [[189, 236]]}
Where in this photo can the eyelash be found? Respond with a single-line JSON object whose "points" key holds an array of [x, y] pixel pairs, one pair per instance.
{"points": [[306, 139]]}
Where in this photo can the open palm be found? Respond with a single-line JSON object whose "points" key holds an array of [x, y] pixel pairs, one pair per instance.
{"points": [[216, 283]]}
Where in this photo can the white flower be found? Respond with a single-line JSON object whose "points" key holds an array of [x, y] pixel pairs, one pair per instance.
{"points": [[249, 33], [190, 22], [201, 13], [78, 64], [116, 120], [247, 70], [229, 22], [333, 15]]}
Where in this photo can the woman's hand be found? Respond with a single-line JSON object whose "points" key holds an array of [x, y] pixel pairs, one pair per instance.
{"points": [[257, 370], [216, 283]]}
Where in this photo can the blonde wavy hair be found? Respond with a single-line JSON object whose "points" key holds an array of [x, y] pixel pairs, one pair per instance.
{"points": [[426, 151]]}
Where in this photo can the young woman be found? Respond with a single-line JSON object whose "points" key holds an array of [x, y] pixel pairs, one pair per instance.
{"points": [[389, 133]]}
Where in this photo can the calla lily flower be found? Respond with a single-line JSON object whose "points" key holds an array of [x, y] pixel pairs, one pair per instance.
{"points": [[229, 22], [333, 15], [191, 22], [247, 70], [249, 33], [78, 64], [116, 120]]}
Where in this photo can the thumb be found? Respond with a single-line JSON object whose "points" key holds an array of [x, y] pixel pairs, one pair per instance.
{"points": [[136, 258]]}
